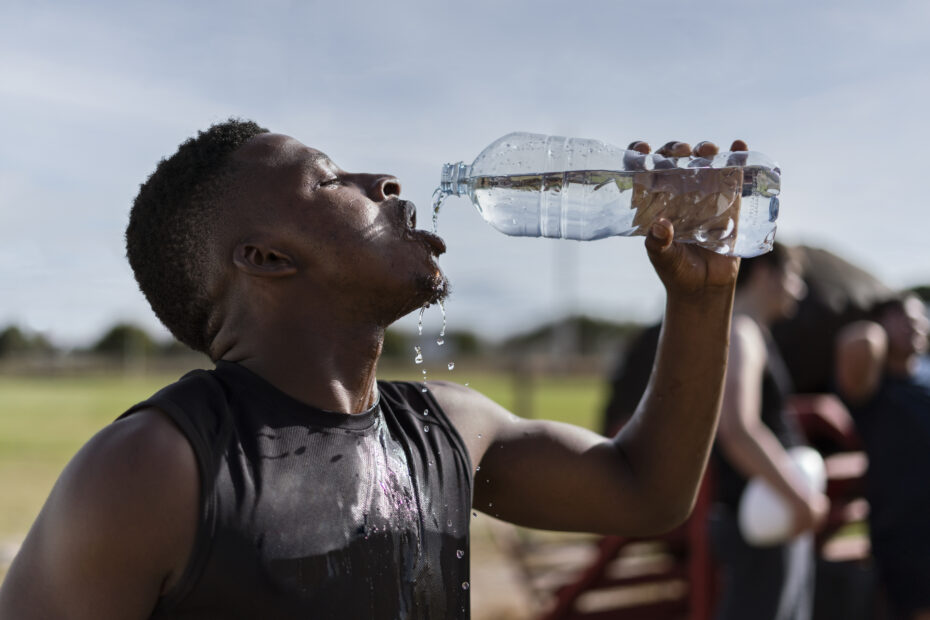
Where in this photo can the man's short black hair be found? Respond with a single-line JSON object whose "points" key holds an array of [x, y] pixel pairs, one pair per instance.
{"points": [[777, 258], [171, 224]]}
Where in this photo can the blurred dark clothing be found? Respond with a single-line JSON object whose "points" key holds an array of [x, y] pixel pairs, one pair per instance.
{"points": [[630, 379], [895, 429], [762, 583], [774, 582]]}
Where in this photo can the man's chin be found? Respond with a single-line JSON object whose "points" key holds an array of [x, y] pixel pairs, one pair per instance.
{"points": [[429, 290], [435, 288]]}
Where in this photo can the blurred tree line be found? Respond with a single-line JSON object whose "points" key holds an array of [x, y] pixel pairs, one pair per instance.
{"points": [[574, 335], [571, 336]]}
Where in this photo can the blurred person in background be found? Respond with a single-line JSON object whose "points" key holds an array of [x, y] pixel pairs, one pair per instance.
{"points": [[772, 582], [877, 375], [288, 482]]}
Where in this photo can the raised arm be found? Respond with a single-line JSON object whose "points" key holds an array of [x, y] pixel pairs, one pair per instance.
{"points": [[116, 530], [644, 480]]}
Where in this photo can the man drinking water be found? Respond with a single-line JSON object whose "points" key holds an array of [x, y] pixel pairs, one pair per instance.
{"points": [[288, 482]]}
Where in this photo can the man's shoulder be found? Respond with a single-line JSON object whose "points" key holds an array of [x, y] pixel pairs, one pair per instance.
{"points": [[140, 448], [126, 502]]}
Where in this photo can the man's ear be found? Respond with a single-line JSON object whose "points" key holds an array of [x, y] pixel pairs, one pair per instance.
{"points": [[257, 259]]}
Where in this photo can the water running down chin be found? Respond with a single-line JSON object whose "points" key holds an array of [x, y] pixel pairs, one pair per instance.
{"points": [[435, 288]]}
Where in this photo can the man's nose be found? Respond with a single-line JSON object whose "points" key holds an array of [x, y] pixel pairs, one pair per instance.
{"points": [[382, 186]]}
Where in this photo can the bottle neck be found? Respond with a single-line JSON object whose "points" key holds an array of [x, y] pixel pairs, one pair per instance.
{"points": [[454, 178]]}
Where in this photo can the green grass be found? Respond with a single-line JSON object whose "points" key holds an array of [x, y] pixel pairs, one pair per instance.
{"points": [[44, 421]]}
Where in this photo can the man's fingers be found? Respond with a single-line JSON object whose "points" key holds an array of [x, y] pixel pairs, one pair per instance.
{"points": [[640, 147], [664, 255], [675, 149], [705, 149], [660, 235]]}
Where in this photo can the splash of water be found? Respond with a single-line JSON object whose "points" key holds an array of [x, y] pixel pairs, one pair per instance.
{"points": [[420, 321], [419, 358]]}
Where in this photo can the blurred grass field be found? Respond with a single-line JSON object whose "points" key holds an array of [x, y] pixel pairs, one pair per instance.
{"points": [[45, 420]]}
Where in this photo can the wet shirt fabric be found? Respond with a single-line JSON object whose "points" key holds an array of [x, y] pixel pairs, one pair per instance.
{"points": [[307, 513]]}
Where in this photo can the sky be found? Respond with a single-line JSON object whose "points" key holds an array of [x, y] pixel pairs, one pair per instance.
{"points": [[93, 94]]}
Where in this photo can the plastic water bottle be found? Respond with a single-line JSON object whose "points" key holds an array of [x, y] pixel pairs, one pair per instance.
{"points": [[534, 185]]}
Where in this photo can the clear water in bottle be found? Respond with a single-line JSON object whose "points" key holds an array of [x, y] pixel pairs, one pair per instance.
{"points": [[550, 186]]}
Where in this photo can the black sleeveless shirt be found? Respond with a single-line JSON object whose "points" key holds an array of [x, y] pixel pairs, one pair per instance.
{"points": [[895, 428], [306, 513], [776, 386]]}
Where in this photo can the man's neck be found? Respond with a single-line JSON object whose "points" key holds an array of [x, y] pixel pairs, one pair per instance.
{"points": [[327, 365]]}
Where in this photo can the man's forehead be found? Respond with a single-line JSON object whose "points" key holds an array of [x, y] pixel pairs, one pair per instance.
{"points": [[277, 149]]}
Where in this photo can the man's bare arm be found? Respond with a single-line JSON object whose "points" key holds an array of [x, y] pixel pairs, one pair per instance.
{"points": [[116, 530], [748, 443], [556, 476]]}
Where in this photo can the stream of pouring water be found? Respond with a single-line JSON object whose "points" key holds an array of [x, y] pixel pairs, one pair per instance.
{"points": [[438, 197]]}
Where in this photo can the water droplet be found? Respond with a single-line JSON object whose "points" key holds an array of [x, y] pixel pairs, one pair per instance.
{"points": [[490, 504], [474, 514], [464, 585], [451, 365], [420, 321], [440, 341], [426, 428], [459, 554], [449, 523], [419, 358], [477, 469], [466, 384], [426, 412], [479, 435]]}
